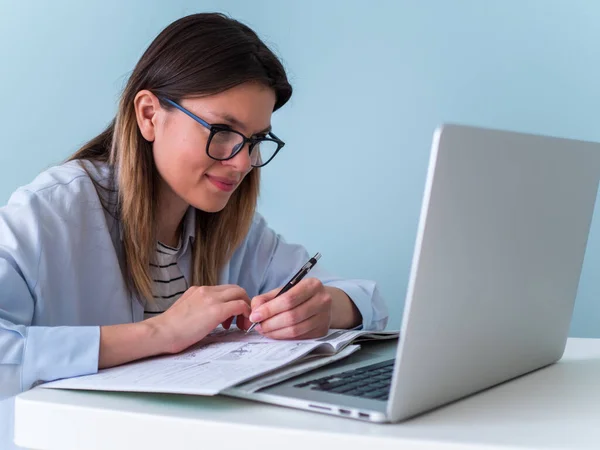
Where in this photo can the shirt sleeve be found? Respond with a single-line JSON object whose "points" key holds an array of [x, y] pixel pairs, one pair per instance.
{"points": [[268, 262], [30, 353]]}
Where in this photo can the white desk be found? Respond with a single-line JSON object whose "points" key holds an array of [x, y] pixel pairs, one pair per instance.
{"points": [[556, 407]]}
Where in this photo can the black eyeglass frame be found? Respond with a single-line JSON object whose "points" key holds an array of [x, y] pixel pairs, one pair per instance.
{"points": [[214, 129]]}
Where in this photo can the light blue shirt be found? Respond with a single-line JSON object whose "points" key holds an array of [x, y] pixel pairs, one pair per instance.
{"points": [[60, 279]]}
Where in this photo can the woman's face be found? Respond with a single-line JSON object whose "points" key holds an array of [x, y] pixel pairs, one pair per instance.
{"points": [[179, 144]]}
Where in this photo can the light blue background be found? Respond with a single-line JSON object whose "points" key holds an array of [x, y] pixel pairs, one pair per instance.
{"points": [[372, 81]]}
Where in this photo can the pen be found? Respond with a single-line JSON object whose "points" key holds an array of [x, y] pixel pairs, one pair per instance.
{"points": [[295, 279]]}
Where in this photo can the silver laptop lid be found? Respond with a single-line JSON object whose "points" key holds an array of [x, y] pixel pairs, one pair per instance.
{"points": [[496, 267]]}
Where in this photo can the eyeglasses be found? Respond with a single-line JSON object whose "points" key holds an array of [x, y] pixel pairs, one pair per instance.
{"points": [[224, 143]]}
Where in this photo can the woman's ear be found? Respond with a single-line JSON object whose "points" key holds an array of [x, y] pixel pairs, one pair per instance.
{"points": [[146, 106]]}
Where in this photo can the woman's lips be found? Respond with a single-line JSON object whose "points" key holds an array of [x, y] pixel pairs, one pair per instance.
{"points": [[224, 184]]}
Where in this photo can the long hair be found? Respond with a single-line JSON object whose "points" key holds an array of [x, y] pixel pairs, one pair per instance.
{"points": [[197, 55]]}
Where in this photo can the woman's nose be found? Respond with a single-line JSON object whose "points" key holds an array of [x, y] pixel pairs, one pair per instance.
{"points": [[241, 161]]}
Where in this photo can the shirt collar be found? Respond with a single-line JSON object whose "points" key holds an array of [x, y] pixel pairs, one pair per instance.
{"points": [[189, 227], [189, 224]]}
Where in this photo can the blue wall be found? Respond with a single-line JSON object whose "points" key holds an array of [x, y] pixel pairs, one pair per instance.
{"points": [[372, 80]]}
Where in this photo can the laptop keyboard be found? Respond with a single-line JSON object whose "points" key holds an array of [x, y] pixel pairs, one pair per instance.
{"points": [[367, 382]]}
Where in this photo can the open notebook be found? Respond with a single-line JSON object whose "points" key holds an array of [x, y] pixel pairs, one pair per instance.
{"points": [[225, 358]]}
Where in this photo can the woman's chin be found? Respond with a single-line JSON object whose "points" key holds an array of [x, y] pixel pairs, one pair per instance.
{"points": [[210, 206]]}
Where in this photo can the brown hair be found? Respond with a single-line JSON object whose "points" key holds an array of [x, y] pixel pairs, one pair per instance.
{"points": [[197, 55]]}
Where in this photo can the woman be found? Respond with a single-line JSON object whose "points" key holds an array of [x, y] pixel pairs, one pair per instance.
{"points": [[147, 238]]}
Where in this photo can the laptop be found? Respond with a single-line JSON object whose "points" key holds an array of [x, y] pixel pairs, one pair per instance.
{"points": [[500, 244]]}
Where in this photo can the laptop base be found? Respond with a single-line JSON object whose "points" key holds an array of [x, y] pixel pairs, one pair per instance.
{"points": [[287, 394]]}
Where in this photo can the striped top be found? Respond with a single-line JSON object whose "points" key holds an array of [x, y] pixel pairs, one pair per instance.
{"points": [[168, 282]]}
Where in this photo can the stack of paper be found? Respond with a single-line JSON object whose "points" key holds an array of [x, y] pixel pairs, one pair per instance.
{"points": [[223, 359]]}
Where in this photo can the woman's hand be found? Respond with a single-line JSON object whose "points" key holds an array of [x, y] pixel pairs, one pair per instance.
{"points": [[303, 312], [198, 312]]}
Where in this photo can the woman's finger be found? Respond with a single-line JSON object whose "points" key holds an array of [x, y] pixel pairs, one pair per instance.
{"points": [[287, 301], [315, 305], [303, 330]]}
